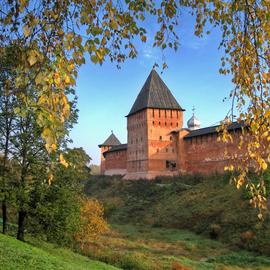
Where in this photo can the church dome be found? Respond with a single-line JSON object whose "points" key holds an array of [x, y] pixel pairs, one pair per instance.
{"points": [[193, 123]]}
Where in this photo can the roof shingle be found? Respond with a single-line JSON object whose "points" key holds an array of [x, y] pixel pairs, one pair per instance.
{"points": [[120, 147], [111, 141], [213, 129], [154, 94]]}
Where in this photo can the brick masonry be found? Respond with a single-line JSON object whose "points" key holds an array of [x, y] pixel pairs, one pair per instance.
{"points": [[157, 144]]}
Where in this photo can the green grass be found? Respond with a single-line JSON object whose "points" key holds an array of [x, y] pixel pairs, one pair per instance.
{"points": [[186, 202], [155, 224], [140, 247], [158, 223], [200, 252], [21, 256]]}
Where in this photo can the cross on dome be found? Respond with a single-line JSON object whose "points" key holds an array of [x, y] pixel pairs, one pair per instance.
{"points": [[193, 123]]}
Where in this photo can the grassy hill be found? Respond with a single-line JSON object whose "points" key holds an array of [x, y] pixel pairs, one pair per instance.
{"points": [[20, 256], [209, 206], [142, 247], [164, 224]]}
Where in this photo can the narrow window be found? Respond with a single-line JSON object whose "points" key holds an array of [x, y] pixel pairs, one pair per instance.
{"points": [[153, 123], [159, 123], [171, 113], [177, 124], [165, 123], [160, 138]]}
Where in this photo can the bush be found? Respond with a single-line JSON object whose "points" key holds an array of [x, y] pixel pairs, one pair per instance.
{"points": [[215, 231], [92, 222], [111, 205], [247, 239]]}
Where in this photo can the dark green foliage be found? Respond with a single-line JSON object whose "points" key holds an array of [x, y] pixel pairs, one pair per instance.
{"points": [[246, 195], [54, 210], [266, 178]]}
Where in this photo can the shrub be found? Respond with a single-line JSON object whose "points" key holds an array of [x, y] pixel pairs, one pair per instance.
{"points": [[215, 231], [111, 205], [92, 222], [247, 238]]}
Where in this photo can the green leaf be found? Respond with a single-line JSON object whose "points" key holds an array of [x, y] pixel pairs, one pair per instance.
{"points": [[94, 59]]}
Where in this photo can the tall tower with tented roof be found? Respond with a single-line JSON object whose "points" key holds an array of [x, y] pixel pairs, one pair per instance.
{"points": [[154, 114]]}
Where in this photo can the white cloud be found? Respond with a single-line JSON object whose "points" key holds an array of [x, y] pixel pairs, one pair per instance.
{"points": [[196, 43], [149, 52]]}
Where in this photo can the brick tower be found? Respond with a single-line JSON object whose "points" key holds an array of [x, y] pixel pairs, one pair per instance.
{"points": [[154, 114], [109, 142]]}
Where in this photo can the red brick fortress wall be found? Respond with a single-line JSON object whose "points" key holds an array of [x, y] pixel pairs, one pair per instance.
{"points": [[205, 154], [116, 161]]}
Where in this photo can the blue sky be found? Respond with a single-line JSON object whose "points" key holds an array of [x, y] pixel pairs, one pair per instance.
{"points": [[106, 94]]}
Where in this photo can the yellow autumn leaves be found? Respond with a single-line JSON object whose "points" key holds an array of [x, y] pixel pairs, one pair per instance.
{"points": [[93, 222], [245, 41], [63, 161]]}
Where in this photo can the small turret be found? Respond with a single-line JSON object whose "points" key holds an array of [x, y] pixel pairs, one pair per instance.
{"points": [[111, 141], [193, 123]]}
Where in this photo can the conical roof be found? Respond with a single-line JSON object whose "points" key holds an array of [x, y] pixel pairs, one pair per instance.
{"points": [[111, 141], [154, 94]]}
